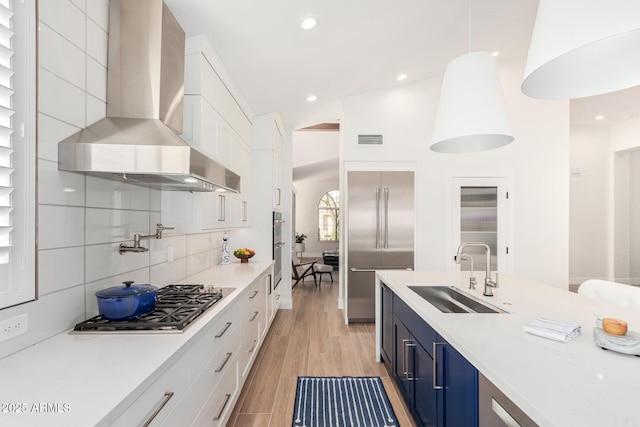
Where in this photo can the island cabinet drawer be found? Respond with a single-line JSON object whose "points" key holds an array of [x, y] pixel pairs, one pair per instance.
{"points": [[213, 339], [157, 401], [420, 329], [219, 403]]}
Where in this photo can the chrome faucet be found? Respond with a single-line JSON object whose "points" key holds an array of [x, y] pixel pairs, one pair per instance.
{"points": [[488, 283], [137, 237], [472, 278]]}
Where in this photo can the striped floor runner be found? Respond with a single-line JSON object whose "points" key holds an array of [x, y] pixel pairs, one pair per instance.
{"points": [[342, 402]]}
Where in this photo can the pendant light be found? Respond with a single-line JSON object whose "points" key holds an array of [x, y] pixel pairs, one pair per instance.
{"points": [[583, 48], [471, 115]]}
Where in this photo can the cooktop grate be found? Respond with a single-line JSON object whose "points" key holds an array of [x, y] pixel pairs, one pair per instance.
{"points": [[177, 306]]}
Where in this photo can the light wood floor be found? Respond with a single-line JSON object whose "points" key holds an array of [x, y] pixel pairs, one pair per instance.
{"points": [[311, 339]]}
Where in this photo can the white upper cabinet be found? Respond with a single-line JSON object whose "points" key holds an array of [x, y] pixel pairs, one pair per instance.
{"points": [[202, 79], [267, 137], [216, 125]]}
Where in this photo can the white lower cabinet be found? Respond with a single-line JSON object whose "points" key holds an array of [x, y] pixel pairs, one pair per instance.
{"points": [[202, 386]]}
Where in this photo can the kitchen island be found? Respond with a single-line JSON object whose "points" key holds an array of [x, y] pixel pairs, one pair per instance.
{"points": [[554, 383], [104, 378]]}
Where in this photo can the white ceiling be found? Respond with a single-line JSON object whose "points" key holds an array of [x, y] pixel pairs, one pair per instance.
{"points": [[357, 46]]}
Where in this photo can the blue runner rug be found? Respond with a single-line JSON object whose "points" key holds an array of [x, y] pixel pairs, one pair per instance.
{"points": [[342, 402]]}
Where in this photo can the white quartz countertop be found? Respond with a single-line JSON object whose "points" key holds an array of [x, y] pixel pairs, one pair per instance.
{"points": [[91, 378], [556, 384]]}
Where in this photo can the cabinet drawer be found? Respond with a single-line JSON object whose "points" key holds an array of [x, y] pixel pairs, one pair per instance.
{"points": [[423, 333], [223, 361], [220, 401], [213, 339], [159, 399]]}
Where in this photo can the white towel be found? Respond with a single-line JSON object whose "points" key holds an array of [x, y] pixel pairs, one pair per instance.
{"points": [[553, 329]]}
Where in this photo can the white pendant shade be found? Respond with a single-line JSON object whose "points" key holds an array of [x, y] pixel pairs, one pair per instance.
{"points": [[471, 115], [583, 48]]}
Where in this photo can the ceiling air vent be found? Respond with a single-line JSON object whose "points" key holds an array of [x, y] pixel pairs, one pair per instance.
{"points": [[369, 139]]}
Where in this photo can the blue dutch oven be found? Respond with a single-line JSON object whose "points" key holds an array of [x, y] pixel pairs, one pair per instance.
{"points": [[127, 302]]}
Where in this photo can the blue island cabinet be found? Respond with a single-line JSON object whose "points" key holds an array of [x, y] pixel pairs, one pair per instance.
{"points": [[439, 386]]}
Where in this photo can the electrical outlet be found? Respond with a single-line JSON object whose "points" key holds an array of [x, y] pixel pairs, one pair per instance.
{"points": [[11, 328]]}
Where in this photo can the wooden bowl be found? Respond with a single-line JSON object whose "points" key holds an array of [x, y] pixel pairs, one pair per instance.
{"points": [[614, 326], [243, 258]]}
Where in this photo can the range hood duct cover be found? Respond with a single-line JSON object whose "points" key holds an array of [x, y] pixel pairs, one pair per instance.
{"points": [[138, 141]]}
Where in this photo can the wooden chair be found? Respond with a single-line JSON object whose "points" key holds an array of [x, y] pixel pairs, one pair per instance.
{"points": [[302, 270]]}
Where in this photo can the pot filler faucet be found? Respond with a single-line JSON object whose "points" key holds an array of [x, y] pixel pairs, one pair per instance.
{"points": [[137, 237], [488, 283]]}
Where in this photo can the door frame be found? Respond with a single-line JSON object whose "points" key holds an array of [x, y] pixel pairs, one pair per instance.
{"points": [[503, 179]]}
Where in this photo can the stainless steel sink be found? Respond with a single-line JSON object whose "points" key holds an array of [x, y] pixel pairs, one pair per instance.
{"points": [[448, 299]]}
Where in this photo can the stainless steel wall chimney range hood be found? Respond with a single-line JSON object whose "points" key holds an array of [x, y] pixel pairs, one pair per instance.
{"points": [[138, 141]]}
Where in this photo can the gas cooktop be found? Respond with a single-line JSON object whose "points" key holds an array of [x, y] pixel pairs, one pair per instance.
{"points": [[177, 307]]}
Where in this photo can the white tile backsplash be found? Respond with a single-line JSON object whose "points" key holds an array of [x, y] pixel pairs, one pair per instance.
{"points": [[96, 76], [104, 193], [97, 42], [50, 132], [65, 18], [60, 269], [96, 109], [171, 272], [53, 47], [115, 225], [160, 248], [200, 262], [197, 243], [98, 12], [81, 4], [59, 188], [105, 261], [60, 99], [60, 226]]}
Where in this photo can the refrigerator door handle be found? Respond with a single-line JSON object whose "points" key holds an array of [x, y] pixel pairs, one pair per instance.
{"points": [[386, 217], [378, 218]]}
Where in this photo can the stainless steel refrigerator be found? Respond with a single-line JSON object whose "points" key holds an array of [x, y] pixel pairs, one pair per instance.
{"points": [[380, 233]]}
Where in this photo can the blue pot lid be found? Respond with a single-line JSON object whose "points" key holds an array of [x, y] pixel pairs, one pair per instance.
{"points": [[125, 290]]}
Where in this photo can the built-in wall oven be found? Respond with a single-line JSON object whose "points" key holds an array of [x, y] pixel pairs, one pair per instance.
{"points": [[277, 247]]}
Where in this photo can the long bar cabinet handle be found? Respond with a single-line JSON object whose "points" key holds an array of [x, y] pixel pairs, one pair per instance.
{"points": [[224, 405], [224, 330], [435, 375], [224, 362], [254, 295], [255, 314], [167, 396]]}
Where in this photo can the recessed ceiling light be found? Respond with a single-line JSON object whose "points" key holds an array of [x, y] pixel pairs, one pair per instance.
{"points": [[69, 190], [311, 98], [190, 180], [308, 23], [599, 117], [401, 76], [495, 53]]}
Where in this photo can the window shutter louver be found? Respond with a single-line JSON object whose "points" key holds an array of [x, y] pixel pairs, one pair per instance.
{"points": [[6, 129]]}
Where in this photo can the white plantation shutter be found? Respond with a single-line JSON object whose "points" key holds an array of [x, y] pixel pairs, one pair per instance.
{"points": [[6, 129], [17, 151]]}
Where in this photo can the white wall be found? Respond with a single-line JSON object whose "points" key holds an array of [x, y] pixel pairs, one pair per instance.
{"points": [[538, 161], [589, 207]]}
